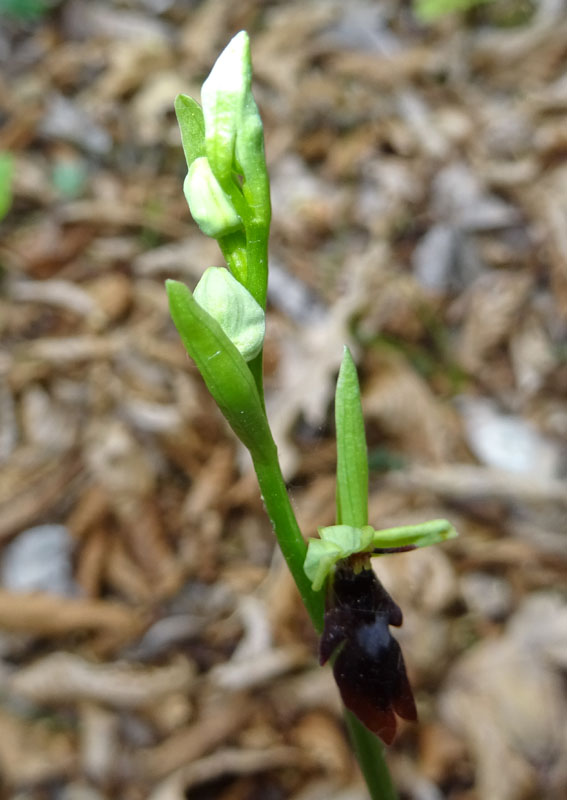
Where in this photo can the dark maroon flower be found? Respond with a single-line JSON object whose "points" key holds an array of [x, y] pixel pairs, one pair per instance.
{"points": [[368, 664]]}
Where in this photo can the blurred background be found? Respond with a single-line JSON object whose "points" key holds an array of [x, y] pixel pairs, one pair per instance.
{"points": [[152, 644]]}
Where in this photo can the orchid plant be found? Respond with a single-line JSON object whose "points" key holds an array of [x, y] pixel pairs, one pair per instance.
{"points": [[222, 325]]}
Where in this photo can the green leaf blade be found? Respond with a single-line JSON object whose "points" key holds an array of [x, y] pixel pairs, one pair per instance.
{"points": [[352, 457]]}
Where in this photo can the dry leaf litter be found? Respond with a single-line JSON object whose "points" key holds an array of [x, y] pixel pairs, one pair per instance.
{"points": [[152, 644]]}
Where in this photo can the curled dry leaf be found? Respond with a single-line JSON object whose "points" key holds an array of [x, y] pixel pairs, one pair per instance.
{"points": [[229, 761], [63, 294], [50, 615], [218, 722], [64, 677], [68, 351], [466, 481], [262, 668]]}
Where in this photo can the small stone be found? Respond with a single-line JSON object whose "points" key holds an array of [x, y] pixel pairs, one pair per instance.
{"points": [[39, 560]]}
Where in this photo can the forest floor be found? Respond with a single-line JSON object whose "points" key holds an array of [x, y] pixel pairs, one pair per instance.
{"points": [[152, 643]]}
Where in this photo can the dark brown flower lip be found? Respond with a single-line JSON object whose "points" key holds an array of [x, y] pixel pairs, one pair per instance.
{"points": [[367, 661]]}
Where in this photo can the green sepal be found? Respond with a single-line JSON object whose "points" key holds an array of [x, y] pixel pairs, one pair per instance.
{"points": [[341, 541], [420, 535], [192, 127], [336, 542], [224, 371], [352, 456]]}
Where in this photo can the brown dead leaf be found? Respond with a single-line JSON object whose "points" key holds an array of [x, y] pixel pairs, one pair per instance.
{"points": [[229, 761], [34, 752], [64, 677], [494, 303], [188, 744], [319, 737], [52, 615], [112, 293], [250, 673], [405, 408], [122, 468], [28, 488], [91, 562]]}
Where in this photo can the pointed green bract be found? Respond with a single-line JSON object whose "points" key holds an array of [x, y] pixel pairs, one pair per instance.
{"points": [[223, 369], [352, 457], [192, 127]]}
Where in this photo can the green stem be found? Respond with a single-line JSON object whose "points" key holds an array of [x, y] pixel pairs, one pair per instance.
{"points": [[256, 368], [291, 542], [257, 259], [370, 755], [233, 247]]}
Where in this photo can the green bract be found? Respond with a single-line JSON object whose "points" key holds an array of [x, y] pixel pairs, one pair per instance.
{"points": [[341, 541], [234, 308], [210, 206], [225, 372], [192, 126]]}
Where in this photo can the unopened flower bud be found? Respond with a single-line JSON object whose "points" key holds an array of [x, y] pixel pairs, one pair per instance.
{"points": [[234, 308], [210, 206], [223, 95]]}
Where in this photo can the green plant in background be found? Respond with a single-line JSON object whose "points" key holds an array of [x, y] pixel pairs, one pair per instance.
{"points": [[26, 10], [222, 326], [500, 13], [429, 10], [6, 174]]}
